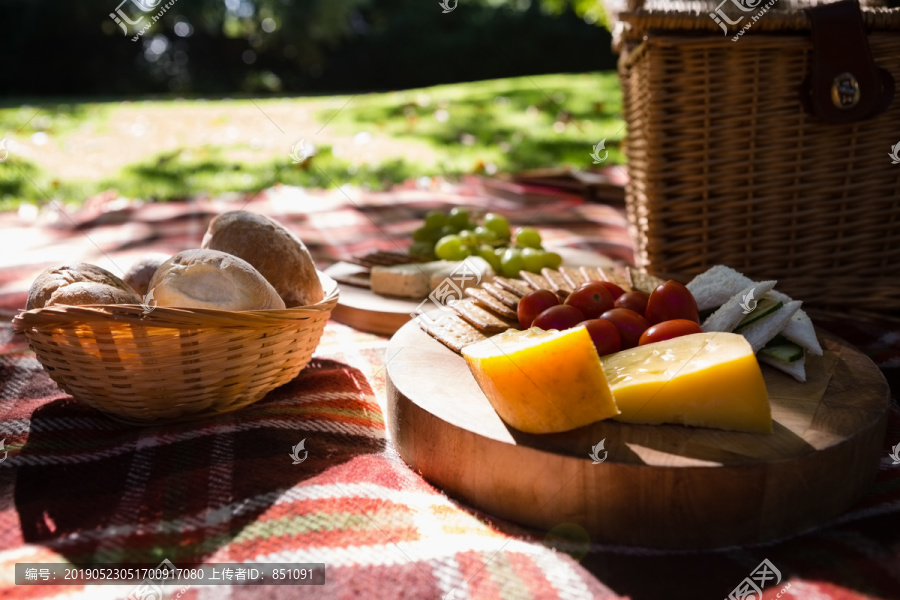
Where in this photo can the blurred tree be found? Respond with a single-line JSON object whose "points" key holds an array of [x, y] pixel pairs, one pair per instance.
{"points": [[592, 11], [218, 47]]}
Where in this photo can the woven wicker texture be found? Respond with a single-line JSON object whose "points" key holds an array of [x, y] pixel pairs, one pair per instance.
{"points": [[173, 364], [727, 167], [703, 7], [669, 15], [794, 20]]}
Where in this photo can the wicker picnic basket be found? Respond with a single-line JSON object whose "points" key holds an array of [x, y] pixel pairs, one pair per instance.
{"points": [[173, 364], [766, 147]]}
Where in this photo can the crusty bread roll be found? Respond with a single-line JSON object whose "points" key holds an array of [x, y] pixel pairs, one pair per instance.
{"points": [[54, 278], [88, 292], [212, 279], [141, 272], [273, 250]]}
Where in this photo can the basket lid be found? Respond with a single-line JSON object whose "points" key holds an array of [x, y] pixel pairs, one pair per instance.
{"points": [[703, 7], [638, 17]]}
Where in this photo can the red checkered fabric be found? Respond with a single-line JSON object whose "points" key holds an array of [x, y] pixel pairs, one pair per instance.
{"points": [[80, 488]]}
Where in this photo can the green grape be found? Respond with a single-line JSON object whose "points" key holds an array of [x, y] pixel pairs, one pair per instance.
{"points": [[435, 219], [447, 230], [459, 218], [468, 237], [534, 260], [486, 252], [485, 235], [450, 247], [427, 234], [528, 237], [552, 260], [422, 250], [511, 262], [498, 224]]}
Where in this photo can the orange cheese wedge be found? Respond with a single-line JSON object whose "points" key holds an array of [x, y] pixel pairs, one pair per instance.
{"points": [[542, 381], [703, 379]]}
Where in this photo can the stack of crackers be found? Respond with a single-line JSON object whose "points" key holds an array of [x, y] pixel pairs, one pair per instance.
{"points": [[382, 258], [490, 307]]}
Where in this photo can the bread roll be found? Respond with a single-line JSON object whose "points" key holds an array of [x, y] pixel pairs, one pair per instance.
{"points": [[141, 272], [212, 279], [88, 292], [273, 250], [54, 278]]}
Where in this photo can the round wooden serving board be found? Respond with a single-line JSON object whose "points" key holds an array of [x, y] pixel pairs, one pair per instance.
{"points": [[661, 486], [363, 309]]}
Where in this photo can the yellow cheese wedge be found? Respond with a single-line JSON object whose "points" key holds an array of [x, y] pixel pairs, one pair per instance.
{"points": [[542, 381], [703, 379]]}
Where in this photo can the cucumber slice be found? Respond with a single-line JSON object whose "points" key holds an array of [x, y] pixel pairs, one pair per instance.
{"points": [[782, 350], [764, 308]]}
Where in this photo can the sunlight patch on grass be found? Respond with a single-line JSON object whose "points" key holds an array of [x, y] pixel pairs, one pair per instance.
{"points": [[504, 125]]}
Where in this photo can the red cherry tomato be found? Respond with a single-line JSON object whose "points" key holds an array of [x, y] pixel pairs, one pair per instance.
{"points": [[671, 301], [615, 290], [668, 330], [604, 334], [559, 317], [636, 301], [592, 299], [533, 304], [630, 325]]}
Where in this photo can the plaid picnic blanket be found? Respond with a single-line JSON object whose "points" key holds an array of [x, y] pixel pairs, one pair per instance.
{"points": [[78, 487]]}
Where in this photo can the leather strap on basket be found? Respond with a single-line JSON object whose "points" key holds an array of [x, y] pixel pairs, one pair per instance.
{"points": [[845, 84]]}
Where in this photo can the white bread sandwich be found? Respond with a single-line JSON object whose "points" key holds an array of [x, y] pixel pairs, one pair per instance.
{"points": [[732, 312], [774, 324]]}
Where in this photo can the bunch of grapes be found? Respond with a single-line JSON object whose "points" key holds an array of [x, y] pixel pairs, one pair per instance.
{"points": [[458, 235]]}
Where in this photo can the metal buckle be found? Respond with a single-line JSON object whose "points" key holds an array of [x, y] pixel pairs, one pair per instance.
{"points": [[845, 91]]}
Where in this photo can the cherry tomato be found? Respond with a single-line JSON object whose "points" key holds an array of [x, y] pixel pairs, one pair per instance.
{"points": [[636, 301], [592, 299], [604, 334], [630, 325], [558, 317], [533, 304], [615, 290], [671, 301], [668, 330]]}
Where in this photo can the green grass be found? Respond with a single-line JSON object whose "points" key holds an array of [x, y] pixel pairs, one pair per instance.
{"points": [[184, 172], [20, 180], [505, 125], [188, 172], [509, 122], [51, 118]]}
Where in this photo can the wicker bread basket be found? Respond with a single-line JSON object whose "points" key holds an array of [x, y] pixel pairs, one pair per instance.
{"points": [[172, 364], [728, 164]]}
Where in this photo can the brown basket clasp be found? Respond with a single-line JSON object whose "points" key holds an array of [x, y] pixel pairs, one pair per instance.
{"points": [[845, 84]]}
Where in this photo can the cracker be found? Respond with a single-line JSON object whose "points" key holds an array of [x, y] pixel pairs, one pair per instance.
{"points": [[618, 275], [539, 282], [591, 273], [574, 276], [644, 281], [361, 279], [486, 322], [487, 301], [382, 258], [451, 331], [558, 283], [507, 298], [535, 281], [514, 286]]}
